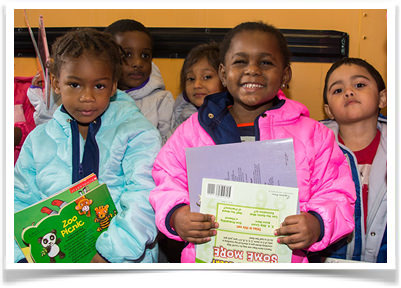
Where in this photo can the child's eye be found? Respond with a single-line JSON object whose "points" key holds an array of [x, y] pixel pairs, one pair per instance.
{"points": [[127, 54], [146, 55], [266, 62], [360, 85], [239, 61], [190, 79], [73, 85], [100, 86], [336, 91], [207, 77]]}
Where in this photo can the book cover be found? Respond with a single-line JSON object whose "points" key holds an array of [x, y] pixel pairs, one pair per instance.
{"points": [[33, 214], [70, 236], [270, 162], [247, 214]]}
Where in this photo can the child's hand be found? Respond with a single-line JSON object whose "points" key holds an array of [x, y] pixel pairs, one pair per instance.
{"points": [[98, 259], [17, 136], [193, 227], [302, 231], [37, 80]]}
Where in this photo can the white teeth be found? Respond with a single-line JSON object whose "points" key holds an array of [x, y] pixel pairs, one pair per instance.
{"points": [[252, 85]]}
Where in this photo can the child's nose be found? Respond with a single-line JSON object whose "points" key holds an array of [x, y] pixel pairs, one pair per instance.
{"points": [[87, 95], [136, 61], [349, 92], [253, 69], [198, 83]]}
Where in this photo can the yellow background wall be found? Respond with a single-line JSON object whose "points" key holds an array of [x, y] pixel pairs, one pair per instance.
{"points": [[367, 31]]}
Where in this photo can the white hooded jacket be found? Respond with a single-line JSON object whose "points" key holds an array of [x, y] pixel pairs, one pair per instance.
{"points": [[155, 103]]}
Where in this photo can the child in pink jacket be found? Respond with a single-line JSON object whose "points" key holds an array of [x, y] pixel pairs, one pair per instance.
{"points": [[23, 113], [254, 66]]}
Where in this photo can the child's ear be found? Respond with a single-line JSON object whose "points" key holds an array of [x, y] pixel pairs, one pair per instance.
{"points": [[55, 84], [287, 75], [383, 98], [328, 111], [222, 74], [114, 89]]}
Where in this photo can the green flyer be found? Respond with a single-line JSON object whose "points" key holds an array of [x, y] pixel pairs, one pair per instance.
{"points": [[247, 215]]}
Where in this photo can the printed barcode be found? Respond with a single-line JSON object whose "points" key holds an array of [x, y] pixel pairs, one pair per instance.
{"points": [[219, 190]]}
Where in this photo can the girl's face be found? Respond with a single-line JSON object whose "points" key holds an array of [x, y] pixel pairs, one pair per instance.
{"points": [[253, 69], [201, 80], [138, 65], [85, 85], [352, 95]]}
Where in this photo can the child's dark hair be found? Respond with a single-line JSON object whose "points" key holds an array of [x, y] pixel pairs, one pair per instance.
{"points": [[127, 25], [209, 51], [256, 26], [356, 61], [75, 43]]}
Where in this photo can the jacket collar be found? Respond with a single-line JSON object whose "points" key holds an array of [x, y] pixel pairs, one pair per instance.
{"points": [[217, 121]]}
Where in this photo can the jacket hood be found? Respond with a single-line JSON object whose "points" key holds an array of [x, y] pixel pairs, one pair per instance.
{"points": [[333, 125], [155, 83]]}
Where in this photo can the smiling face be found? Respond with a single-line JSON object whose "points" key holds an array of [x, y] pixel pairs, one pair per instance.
{"points": [[254, 70], [201, 80], [85, 85], [352, 95], [138, 65]]}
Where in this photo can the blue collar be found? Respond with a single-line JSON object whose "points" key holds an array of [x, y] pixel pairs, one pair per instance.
{"points": [[90, 161], [217, 121]]}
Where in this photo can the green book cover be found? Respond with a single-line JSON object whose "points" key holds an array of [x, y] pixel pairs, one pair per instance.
{"points": [[74, 206]]}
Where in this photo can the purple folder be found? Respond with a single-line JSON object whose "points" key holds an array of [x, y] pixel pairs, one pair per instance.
{"points": [[269, 162]]}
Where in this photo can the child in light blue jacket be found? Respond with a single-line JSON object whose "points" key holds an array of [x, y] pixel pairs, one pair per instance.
{"points": [[100, 130]]}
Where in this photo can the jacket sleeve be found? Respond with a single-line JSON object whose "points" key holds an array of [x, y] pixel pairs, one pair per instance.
{"points": [[332, 191], [165, 113], [134, 227], [41, 114], [170, 175], [26, 191]]}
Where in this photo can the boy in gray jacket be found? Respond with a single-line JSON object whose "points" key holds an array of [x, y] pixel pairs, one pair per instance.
{"points": [[141, 78], [354, 93]]}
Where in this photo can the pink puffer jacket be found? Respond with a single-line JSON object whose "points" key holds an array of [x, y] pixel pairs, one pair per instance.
{"points": [[324, 178], [23, 111]]}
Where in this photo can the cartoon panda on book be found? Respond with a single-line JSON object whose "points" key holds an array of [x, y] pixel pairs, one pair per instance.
{"points": [[50, 246]]}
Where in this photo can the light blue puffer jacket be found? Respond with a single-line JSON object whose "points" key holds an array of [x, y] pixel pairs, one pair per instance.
{"points": [[128, 145]]}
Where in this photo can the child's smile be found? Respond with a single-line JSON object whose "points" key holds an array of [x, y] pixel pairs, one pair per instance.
{"points": [[254, 70]]}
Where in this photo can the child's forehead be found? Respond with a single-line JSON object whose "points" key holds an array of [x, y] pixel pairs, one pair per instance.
{"points": [[246, 35], [350, 70], [249, 41], [202, 63], [133, 36]]}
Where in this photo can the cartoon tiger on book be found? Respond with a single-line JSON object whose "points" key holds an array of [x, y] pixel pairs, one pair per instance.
{"points": [[103, 217]]}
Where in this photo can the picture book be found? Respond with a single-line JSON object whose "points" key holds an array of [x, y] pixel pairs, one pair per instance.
{"points": [[65, 226], [270, 162], [247, 214]]}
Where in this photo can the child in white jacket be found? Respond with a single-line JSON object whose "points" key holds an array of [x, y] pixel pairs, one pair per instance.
{"points": [[141, 79]]}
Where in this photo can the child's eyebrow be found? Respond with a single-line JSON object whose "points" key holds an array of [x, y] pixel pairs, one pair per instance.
{"points": [[335, 83], [72, 77], [353, 77], [243, 54], [360, 76]]}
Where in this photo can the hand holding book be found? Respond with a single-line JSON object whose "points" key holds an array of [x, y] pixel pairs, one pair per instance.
{"points": [[192, 226], [299, 231]]}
